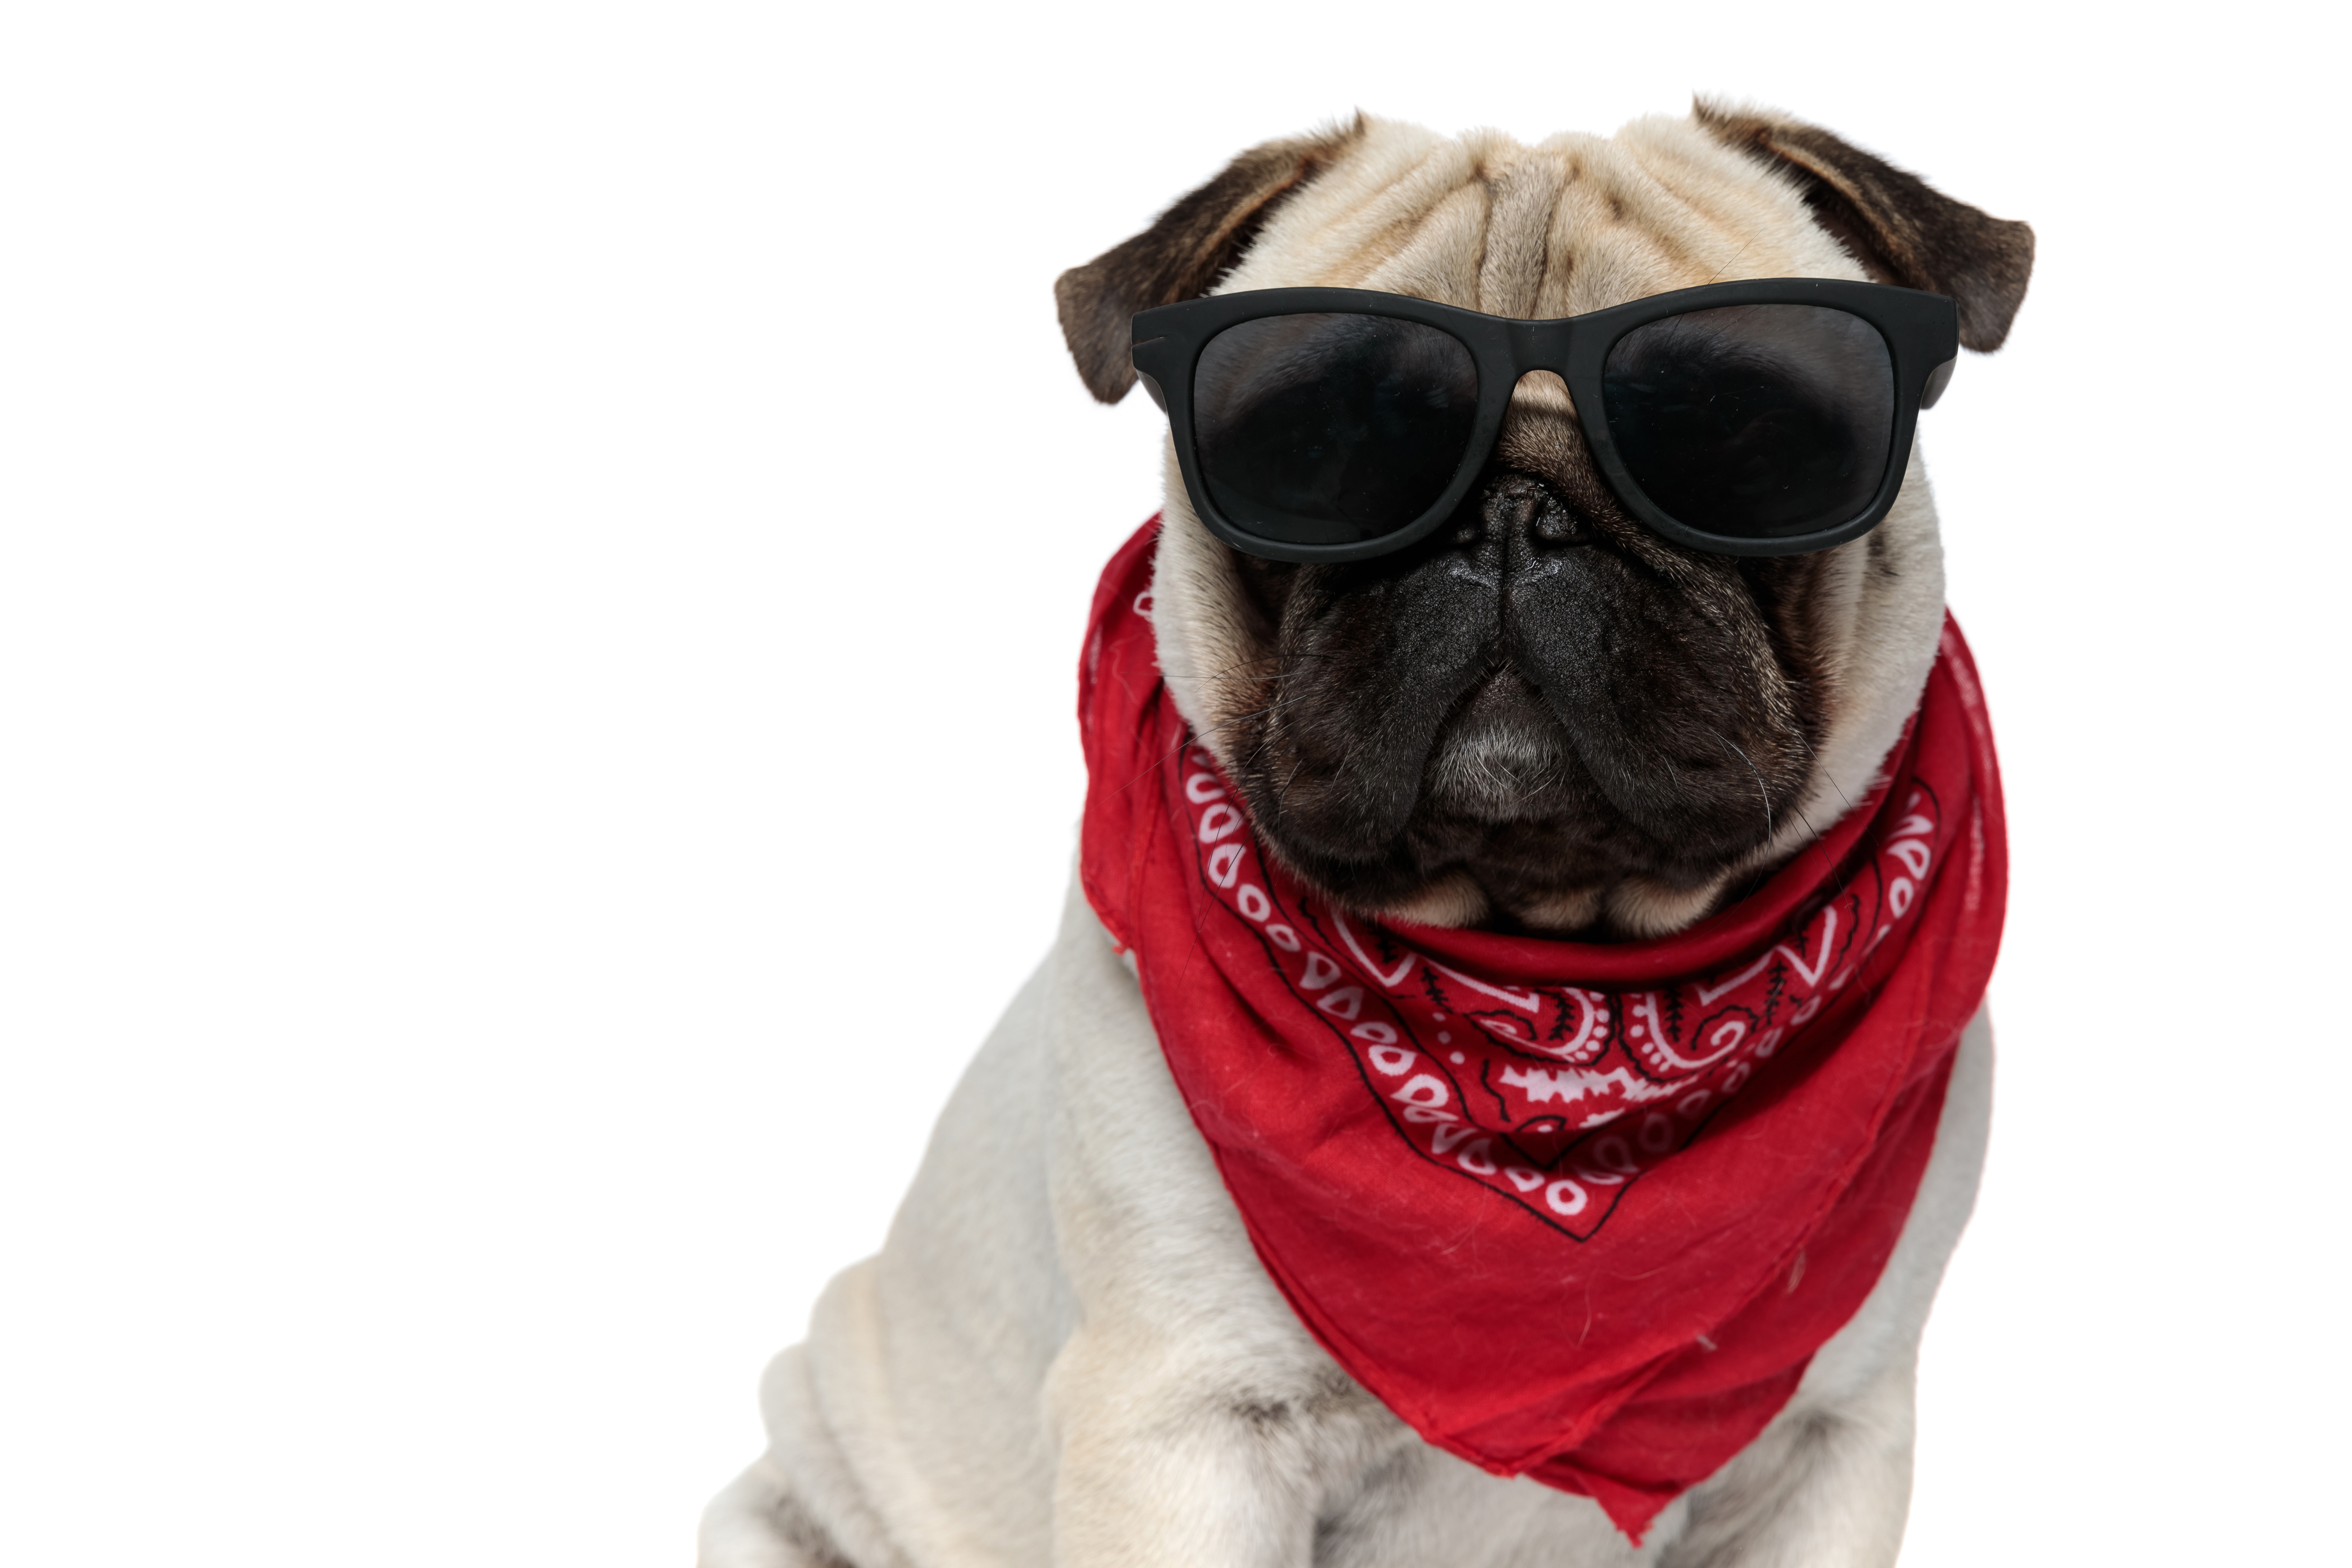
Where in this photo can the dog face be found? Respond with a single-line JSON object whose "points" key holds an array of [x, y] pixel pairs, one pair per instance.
{"points": [[1544, 716]]}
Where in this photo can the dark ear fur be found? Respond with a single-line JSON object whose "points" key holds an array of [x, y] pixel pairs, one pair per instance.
{"points": [[1900, 231], [1180, 257]]}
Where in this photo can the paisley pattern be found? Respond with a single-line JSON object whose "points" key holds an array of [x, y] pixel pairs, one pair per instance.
{"points": [[1557, 1097]]}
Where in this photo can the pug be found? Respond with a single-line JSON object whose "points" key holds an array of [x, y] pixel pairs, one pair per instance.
{"points": [[1530, 681]]}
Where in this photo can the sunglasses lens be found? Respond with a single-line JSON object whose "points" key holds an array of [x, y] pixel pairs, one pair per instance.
{"points": [[1754, 421], [1331, 428]]}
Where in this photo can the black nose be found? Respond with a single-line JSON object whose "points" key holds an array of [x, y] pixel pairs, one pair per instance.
{"points": [[1510, 506]]}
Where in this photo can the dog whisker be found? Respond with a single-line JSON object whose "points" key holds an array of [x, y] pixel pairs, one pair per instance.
{"points": [[1765, 795]]}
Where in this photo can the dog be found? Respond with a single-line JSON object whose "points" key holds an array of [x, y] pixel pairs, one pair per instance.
{"points": [[1069, 1351]]}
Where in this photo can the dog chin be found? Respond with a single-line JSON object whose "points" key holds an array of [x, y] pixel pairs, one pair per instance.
{"points": [[1500, 757], [1633, 909], [1504, 759]]}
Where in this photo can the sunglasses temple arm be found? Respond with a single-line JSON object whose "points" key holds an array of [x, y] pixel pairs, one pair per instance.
{"points": [[1937, 379]]}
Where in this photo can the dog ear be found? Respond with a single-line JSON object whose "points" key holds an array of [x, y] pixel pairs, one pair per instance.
{"points": [[1182, 255], [1896, 226]]}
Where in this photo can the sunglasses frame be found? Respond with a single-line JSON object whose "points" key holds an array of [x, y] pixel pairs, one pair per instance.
{"points": [[1921, 330]]}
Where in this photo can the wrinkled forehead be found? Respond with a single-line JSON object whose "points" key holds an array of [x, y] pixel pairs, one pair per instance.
{"points": [[1577, 223]]}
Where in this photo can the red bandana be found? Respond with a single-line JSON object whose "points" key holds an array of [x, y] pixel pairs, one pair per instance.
{"points": [[1573, 1210]]}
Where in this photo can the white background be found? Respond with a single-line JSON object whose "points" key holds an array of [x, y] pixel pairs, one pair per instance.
{"points": [[541, 558]]}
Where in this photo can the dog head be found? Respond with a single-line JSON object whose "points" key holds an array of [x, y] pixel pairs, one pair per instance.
{"points": [[1546, 716]]}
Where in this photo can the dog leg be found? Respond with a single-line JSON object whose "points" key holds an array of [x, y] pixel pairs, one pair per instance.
{"points": [[1182, 1462], [799, 1506], [1829, 1484], [1193, 1421], [757, 1522], [1818, 1490]]}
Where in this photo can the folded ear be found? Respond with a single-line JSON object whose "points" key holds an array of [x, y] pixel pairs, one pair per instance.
{"points": [[1180, 257], [1897, 228]]}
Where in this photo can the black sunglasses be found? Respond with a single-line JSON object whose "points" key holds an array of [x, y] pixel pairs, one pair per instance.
{"points": [[1767, 417]]}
